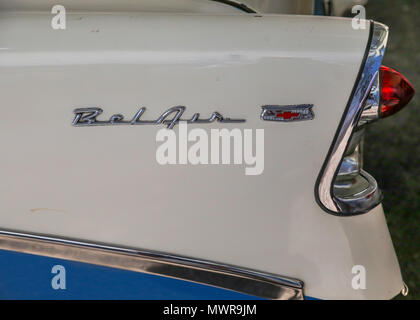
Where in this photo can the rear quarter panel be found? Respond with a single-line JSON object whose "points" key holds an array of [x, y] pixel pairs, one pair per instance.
{"points": [[103, 184]]}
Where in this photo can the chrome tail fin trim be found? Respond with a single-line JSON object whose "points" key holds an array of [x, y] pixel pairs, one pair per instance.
{"points": [[366, 78]]}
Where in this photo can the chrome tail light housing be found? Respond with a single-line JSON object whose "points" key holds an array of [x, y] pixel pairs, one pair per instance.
{"points": [[343, 188]]}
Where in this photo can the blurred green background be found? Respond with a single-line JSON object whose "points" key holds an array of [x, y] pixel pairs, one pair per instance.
{"points": [[392, 149]]}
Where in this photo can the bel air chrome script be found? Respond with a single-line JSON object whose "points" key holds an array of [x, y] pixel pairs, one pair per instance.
{"points": [[288, 113], [172, 116]]}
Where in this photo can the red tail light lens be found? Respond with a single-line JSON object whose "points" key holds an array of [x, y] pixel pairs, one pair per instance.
{"points": [[397, 92]]}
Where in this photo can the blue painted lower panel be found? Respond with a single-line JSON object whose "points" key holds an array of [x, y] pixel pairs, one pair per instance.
{"points": [[26, 276]]}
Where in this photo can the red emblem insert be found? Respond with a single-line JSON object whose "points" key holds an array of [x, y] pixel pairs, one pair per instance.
{"points": [[287, 115]]}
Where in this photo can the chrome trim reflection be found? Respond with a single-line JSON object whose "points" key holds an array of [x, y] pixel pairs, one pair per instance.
{"points": [[324, 191], [350, 166], [224, 276], [362, 200], [371, 109]]}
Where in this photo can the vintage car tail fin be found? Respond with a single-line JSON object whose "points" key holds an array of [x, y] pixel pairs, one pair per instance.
{"points": [[343, 188]]}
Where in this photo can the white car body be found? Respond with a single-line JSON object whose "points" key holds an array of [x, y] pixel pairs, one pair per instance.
{"points": [[103, 185]]}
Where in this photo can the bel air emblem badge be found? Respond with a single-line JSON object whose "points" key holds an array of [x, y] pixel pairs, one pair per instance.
{"points": [[287, 113], [172, 116]]}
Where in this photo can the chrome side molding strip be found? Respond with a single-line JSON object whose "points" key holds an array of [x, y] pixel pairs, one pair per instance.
{"points": [[366, 78], [233, 278]]}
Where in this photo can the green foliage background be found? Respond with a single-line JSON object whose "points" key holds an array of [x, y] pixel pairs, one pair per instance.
{"points": [[392, 149]]}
